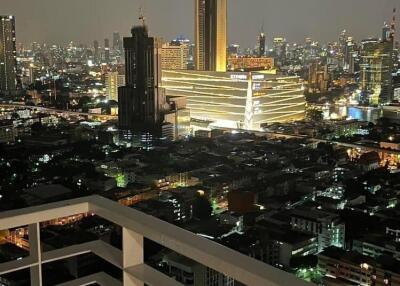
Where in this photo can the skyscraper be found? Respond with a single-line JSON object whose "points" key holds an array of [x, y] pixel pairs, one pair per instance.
{"points": [[114, 80], [376, 71], [342, 49], [175, 56], [393, 28], [107, 50], [116, 41], [280, 50], [348, 55], [318, 78], [140, 101], [211, 34], [343, 41], [261, 44], [96, 52], [386, 32], [8, 54], [377, 62]]}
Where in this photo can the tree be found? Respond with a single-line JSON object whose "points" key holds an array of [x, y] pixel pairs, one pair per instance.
{"points": [[354, 188], [202, 208], [37, 127], [84, 101], [327, 148], [15, 116], [314, 114], [308, 261]]}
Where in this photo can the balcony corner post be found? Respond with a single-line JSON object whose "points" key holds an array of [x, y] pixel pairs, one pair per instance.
{"points": [[133, 254], [35, 253]]}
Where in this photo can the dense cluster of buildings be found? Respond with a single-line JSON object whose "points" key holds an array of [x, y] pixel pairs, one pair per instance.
{"points": [[289, 200], [211, 138]]}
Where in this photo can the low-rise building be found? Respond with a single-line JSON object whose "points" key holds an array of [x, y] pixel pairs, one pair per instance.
{"points": [[329, 227], [369, 161], [191, 273], [250, 63], [376, 246], [7, 132], [390, 145], [351, 268]]}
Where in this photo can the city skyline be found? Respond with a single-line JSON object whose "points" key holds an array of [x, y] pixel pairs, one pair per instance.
{"points": [[295, 21]]}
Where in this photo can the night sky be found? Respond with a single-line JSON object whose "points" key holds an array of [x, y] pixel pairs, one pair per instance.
{"points": [[60, 21]]}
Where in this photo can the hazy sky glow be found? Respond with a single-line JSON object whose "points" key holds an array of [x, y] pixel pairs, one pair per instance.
{"points": [[60, 21]]}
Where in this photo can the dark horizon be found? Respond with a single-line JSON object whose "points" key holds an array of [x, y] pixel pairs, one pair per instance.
{"points": [[57, 22]]}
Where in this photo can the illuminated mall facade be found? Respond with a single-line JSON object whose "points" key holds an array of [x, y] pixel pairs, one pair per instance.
{"points": [[241, 100]]}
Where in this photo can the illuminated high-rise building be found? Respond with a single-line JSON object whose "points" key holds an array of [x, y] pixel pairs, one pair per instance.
{"points": [[174, 56], [376, 71], [386, 32], [8, 54], [33, 72], [342, 41], [211, 35], [318, 78], [280, 50], [114, 80], [140, 101], [349, 51]]}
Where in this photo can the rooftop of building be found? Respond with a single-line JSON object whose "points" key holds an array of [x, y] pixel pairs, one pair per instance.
{"points": [[385, 263], [312, 214]]}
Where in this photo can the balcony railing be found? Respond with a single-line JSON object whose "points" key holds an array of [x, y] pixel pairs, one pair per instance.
{"points": [[135, 227]]}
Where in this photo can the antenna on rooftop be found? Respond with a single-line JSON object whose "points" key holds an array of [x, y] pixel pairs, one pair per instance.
{"points": [[141, 16]]}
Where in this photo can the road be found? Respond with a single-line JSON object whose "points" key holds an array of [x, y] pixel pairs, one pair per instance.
{"points": [[60, 111]]}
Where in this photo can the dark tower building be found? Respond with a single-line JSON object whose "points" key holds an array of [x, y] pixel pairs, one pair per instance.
{"points": [[261, 43], [96, 52], [117, 41], [140, 101], [8, 54], [211, 35], [107, 51]]}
